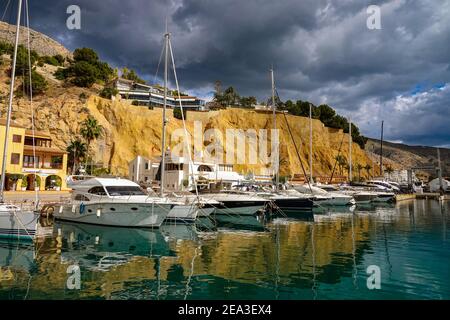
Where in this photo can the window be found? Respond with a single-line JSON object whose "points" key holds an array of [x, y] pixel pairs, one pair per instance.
{"points": [[80, 197], [15, 158], [146, 166], [98, 191], [28, 161], [17, 138], [124, 191], [56, 162]]}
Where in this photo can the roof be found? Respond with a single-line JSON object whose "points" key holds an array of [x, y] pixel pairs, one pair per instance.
{"points": [[12, 123], [106, 182], [37, 134], [43, 149]]}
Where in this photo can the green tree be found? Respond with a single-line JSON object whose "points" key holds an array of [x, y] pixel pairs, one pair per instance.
{"points": [[359, 167], [177, 113], [130, 74], [38, 83], [230, 96], [90, 130], [76, 153], [108, 92], [368, 167], [85, 54]]}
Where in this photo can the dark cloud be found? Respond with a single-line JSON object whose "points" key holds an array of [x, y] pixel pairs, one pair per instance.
{"points": [[321, 51]]}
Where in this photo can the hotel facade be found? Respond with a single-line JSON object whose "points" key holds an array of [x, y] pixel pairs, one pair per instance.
{"points": [[32, 161]]}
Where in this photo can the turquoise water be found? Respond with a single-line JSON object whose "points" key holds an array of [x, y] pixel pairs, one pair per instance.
{"points": [[320, 256]]}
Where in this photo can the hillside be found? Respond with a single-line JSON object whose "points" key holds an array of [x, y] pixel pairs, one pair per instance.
{"points": [[39, 42], [132, 130], [405, 156]]}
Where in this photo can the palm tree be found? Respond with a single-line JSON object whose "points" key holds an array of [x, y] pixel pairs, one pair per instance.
{"points": [[359, 167], [389, 170], [341, 162], [77, 151], [368, 167], [90, 130]]}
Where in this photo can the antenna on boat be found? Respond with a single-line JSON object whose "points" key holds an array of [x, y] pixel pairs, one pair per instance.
{"points": [[11, 94]]}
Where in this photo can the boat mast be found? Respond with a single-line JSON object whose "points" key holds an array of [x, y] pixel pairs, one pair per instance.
{"points": [[441, 186], [350, 178], [277, 169], [310, 144], [381, 149], [11, 94], [164, 120]]}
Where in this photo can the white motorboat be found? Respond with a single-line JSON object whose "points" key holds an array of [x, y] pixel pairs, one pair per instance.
{"points": [[234, 202], [323, 197], [17, 224], [205, 206], [117, 202]]}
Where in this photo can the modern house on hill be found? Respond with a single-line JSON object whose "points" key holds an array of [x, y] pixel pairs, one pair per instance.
{"points": [[148, 95]]}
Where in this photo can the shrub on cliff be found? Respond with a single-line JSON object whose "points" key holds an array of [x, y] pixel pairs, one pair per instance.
{"points": [[85, 69], [108, 92], [38, 83], [177, 113]]}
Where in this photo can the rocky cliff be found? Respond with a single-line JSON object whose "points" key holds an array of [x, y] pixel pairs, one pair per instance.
{"points": [[132, 130], [39, 42]]}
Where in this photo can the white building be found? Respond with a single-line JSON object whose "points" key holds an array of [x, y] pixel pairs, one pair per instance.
{"points": [[142, 170], [435, 186], [400, 176], [179, 173]]}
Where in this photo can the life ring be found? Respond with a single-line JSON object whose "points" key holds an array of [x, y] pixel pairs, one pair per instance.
{"points": [[47, 211], [82, 207]]}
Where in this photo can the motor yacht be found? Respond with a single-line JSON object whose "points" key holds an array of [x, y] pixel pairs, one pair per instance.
{"points": [[323, 197], [235, 202], [117, 202]]}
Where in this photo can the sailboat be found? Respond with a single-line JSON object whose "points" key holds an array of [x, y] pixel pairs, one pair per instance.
{"points": [[288, 200], [13, 222]]}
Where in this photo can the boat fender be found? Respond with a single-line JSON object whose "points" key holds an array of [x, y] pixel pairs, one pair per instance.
{"points": [[82, 207], [47, 211]]}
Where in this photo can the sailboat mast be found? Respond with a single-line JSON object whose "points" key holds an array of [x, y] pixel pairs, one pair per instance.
{"points": [[277, 164], [381, 149], [310, 144], [164, 122], [350, 177], [8, 116]]}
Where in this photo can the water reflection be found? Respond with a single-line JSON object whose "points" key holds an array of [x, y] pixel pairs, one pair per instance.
{"points": [[320, 255]]}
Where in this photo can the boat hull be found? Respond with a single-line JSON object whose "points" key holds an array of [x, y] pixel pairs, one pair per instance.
{"points": [[141, 215], [293, 203], [240, 208], [21, 225], [183, 213]]}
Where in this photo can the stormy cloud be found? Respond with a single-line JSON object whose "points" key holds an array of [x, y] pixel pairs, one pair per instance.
{"points": [[321, 50]]}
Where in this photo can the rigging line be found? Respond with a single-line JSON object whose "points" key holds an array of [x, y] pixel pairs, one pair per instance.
{"points": [[4, 11], [339, 153], [298, 154], [30, 71], [184, 122], [159, 63]]}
